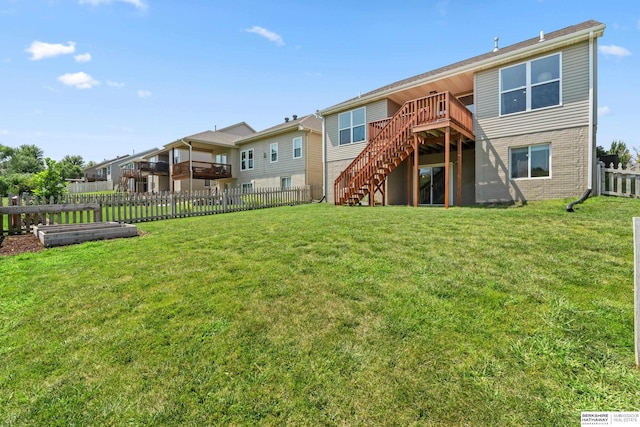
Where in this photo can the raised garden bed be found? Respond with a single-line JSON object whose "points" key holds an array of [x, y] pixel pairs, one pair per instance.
{"points": [[67, 234]]}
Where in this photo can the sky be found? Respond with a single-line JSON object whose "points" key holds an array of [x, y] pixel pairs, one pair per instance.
{"points": [[104, 78]]}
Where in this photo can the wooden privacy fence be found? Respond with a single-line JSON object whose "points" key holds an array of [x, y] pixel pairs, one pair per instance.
{"points": [[619, 182], [25, 212]]}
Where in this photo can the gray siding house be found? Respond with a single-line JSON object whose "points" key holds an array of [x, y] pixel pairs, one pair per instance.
{"points": [[515, 124], [283, 156]]}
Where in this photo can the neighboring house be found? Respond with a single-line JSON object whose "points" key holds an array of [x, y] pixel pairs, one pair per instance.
{"points": [[515, 124], [135, 171], [100, 171], [286, 155], [203, 161], [282, 156]]}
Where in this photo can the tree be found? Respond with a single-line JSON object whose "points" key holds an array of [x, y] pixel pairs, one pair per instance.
{"points": [[49, 183], [24, 159], [620, 148], [71, 167]]}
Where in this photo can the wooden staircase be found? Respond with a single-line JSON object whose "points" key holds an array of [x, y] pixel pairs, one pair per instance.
{"points": [[391, 141]]}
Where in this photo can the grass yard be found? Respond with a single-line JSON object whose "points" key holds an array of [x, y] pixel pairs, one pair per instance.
{"points": [[324, 315]]}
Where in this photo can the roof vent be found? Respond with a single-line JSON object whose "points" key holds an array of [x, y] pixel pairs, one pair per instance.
{"points": [[295, 117], [286, 119], [495, 44], [541, 36]]}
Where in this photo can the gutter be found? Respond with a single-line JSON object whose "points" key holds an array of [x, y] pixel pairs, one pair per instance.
{"points": [[324, 159], [591, 137]]}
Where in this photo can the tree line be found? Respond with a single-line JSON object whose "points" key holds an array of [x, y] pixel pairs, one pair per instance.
{"points": [[24, 169]]}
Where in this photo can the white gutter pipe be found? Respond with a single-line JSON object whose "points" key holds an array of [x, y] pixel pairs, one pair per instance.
{"points": [[190, 164], [591, 112]]}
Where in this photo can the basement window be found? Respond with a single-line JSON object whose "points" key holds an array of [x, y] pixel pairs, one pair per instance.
{"points": [[530, 162]]}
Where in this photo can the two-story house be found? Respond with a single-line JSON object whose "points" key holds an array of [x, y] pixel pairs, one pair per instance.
{"points": [[514, 124], [285, 155]]}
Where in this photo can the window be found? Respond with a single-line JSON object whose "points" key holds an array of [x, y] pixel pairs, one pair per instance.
{"points": [[297, 148], [221, 158], [351, 126], [530, 85], [531, 162], [246, 159], [285, 182], [207, 183], [108, 170], [273, 149], [247, 187]]}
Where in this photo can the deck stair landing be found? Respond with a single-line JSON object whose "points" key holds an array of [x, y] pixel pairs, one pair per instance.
{"points": [[392, 140]]}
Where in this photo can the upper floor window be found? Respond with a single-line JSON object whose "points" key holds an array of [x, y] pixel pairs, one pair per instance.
{"points": [[531, 85], [297, 148], [352, 126], [221, 158], [246, 159], [530, 162], [273, 149]]}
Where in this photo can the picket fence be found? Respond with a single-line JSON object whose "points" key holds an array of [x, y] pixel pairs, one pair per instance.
{"points": [[618, 181], [24, 212]]}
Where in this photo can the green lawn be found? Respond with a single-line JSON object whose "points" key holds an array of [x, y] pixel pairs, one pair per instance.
{"points": [[324, 315]]}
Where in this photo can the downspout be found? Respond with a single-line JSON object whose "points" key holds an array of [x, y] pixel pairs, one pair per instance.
{"points": [[591, 137], [190, 165], [324, 161]]}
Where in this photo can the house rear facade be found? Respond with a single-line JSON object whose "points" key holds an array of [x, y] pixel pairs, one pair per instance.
{"points": [[515, 124]]}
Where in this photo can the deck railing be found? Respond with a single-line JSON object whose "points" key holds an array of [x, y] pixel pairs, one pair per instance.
{"points": [[25, 212], [201, 170], [391, 138]]}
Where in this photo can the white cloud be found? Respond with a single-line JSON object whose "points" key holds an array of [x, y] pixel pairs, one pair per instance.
{"points": [[79, 80], [140, 4], [111, 83], [40, 50], [603, 111], [269, 35], [614, 50], [85, 57], [144, 94]]}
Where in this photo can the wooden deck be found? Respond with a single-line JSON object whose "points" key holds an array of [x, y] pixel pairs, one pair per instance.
{"points": [[430, 121], [201, 170]]}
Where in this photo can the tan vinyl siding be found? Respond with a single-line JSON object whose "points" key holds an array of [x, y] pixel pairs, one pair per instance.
{"points": [[374, 111], [263, 168], [573, 111], [313, 145]]}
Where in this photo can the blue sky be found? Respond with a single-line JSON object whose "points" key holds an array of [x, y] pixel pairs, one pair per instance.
{"points": [[101, 78]]}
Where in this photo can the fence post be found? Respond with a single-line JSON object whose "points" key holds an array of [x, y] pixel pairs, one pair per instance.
{"points": [[636, 286], [224, 201]]}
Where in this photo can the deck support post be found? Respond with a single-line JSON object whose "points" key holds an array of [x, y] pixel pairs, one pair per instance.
{"points": [[416, 171], [459, 196], [447, 148]]}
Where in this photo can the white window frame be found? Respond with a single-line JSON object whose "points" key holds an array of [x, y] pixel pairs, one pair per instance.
{"points": [[273, 149], [299, 141], [246, 160], [529, 148], [351, 127], [529, 85], [284, 179], [247, 187]]}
